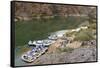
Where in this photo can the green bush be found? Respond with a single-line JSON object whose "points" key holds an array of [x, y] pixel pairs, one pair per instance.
{"points": [[84, 36]]}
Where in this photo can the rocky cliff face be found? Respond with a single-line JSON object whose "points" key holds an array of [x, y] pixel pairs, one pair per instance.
{"points": [[38, 10]]}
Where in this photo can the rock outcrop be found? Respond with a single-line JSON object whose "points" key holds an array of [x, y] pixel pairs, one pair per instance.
{"points": [[82, 54]]}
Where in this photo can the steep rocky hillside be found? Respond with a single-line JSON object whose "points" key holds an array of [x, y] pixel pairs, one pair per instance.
{"points": [[28, 11], [83, 54]]}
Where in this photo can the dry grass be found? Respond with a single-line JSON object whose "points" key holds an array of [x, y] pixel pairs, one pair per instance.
{"points": [[75, 44]]}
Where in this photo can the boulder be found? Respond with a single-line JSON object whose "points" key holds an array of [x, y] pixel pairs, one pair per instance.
{"points": [[89, 43]]}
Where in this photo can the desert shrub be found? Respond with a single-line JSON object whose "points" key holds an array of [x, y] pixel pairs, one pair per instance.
{"points": [[92, 26], [66, 49], [84, 36], [69, 34], [84, 23]]}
